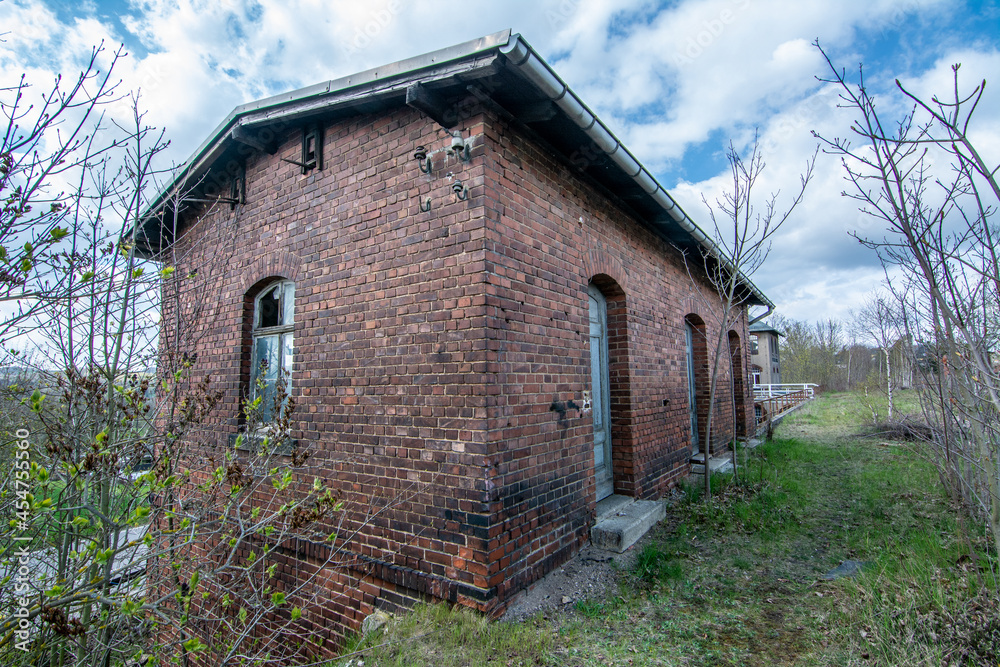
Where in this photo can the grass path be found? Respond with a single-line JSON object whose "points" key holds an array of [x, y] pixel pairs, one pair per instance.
{"points": [[739, 581]]}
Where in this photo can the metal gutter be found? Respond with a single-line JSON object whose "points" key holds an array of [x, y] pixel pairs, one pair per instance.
{"points": [[770, 309], [527, 61], [521, 58]]}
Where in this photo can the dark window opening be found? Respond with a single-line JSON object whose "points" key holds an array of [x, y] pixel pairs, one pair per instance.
{"points": [[238, 188], [312, 148]]}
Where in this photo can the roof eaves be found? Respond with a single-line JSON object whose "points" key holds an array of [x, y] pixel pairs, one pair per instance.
{"points": [[270, 108], [522, 58], [534, 68]]}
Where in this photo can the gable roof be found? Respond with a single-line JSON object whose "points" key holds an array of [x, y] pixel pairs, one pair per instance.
{"points": [[762, 327], [502, 71]]}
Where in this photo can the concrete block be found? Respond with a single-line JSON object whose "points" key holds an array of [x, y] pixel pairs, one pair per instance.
{"points": [[620, 530]]}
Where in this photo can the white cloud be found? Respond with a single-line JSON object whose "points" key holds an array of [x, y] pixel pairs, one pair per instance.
{"points": [[665, 79]]}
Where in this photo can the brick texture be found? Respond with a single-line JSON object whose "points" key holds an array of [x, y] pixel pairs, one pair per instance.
{"points": [[437, 354]]}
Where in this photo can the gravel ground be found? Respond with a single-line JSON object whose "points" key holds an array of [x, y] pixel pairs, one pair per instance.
{"points": [[592, 573]]}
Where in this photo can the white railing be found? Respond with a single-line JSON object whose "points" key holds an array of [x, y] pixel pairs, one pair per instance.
{"points": [[771, 400], [761, 391]]}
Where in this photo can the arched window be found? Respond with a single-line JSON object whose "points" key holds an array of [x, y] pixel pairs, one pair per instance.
{"points": [[271, 360]]}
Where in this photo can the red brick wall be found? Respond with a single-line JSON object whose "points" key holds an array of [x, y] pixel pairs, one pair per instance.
{"points": [[390, 342], [549, 233], [437, 353]]}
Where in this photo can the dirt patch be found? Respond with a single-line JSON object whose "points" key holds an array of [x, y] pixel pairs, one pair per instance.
{"points": [[592, 574]]}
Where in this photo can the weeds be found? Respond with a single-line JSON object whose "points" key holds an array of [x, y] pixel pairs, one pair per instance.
{"points": [[435, 635], [655, 564], [739, 581]]}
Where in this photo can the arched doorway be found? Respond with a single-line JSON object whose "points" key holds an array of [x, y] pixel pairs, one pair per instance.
{"points": [[739, 385], [600, 393], [611, 399], [696, 354]]}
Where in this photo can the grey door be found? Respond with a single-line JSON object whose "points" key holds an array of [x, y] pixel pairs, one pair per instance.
{"points": [[600, 394], [692, 393]]}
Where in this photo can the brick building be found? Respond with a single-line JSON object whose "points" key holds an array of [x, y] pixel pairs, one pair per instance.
{"points": [[765, 362], [474, 287]]}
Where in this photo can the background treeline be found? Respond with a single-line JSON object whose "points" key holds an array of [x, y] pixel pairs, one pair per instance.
{"points": [[837, 357]]}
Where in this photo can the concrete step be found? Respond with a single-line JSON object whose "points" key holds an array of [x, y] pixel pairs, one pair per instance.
{"points": [[716, 464], [612, 505], [620, 527]]}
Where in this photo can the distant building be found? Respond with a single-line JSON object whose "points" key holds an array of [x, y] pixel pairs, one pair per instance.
{"points": [[765, 363]]}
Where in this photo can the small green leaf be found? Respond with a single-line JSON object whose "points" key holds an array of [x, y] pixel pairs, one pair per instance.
{"points": [[130, 607], [277, 598], [194, 646], [296, 613]]}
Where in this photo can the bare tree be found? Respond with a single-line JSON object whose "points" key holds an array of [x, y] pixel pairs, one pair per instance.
{"points": [[742, 231], [881, 320], [129, 527], [936, 194], [47, 151]]}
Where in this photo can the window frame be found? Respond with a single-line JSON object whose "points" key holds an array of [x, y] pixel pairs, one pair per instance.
{"points": [[282, 334]]}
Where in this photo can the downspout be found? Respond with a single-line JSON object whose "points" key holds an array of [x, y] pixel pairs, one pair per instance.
{"points": [[770, 309]]}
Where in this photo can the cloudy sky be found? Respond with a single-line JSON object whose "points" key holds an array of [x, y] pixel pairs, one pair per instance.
{"points": [[676, 81]]}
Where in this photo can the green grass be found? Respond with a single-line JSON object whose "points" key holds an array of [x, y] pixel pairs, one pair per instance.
{"points": [[739, 581], [438, 635]]}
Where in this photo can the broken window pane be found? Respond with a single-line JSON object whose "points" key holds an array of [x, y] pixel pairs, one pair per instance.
{"points": [[269, 307]]}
